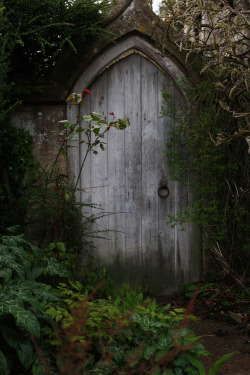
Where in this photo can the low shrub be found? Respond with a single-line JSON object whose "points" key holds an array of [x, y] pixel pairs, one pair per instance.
{"points": [[122, 336]]}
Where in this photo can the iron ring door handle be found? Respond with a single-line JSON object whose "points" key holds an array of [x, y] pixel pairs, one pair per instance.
{"points": [[163, 191]]}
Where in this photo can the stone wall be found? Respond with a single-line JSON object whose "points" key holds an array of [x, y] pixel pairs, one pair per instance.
{"points": [[42, 121]]}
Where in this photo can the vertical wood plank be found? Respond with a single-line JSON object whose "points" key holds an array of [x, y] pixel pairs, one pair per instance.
{"points": [[85, 183], [116, 168], [166, 205], [133, 166], [99, 172], [149, 177], [73, 150]]}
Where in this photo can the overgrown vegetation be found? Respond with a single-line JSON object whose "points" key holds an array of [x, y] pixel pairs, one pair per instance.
{"points": [[127, 335], [217, 33], [219, 300], [89, 327], [33, 34], [22, 295], [211, 134], [220, 177], [68, 330]]}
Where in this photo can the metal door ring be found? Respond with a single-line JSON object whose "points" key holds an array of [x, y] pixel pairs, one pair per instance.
{"points": [[163, 191]]}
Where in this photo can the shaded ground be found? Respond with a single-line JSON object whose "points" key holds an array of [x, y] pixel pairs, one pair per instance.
{"points": [[220, 336]]}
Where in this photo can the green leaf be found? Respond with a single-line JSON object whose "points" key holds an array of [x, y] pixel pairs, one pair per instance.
{"points": [[3, 364], [87, 118], [160, 354], [55, 268], [96, 115], [196, 363], [149, 351], [26, 354], [102, 147], [52, 246], [15, 230], [95, 118], [217, 365], [37, 368], [61, 247], [79, 130], [26, 319], [6, 274], [64, 121], [19, 251], [36, 272]]}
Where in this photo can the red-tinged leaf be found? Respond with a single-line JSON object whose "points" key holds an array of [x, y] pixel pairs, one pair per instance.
{"points": [[111, 113], [87, 91]]}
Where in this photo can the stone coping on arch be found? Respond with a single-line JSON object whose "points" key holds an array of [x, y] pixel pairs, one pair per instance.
{"points": [[128, 53], [133, 44]]}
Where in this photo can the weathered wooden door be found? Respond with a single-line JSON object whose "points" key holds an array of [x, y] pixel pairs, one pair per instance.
{"points": [[125, 179]]}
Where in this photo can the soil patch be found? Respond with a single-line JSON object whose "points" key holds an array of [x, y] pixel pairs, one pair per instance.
{"points": [[219, 338]]}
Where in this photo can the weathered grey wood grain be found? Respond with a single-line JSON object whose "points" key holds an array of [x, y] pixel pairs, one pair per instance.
{"points": [[141, 249], [133, 163], [166, 205]]}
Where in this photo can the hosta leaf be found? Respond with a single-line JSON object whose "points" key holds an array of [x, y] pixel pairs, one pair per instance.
{"points": [[149, 351], [55, 268], [27, 320], [15, 230], [36, 271], [19, 251], [9, 241], [26, 354], [42, 292], [164, 342]]}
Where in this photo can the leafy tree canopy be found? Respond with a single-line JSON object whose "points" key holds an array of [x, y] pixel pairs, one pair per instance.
{"points": [[35, 32]]}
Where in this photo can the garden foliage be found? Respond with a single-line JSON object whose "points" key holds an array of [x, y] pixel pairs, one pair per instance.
{"points": [[33, 34], [68, 330], [22, 295], [126, 335], [218, 176]]}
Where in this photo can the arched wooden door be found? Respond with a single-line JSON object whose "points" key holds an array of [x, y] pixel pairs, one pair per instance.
{"points": [[124, 179]]}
